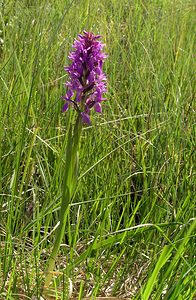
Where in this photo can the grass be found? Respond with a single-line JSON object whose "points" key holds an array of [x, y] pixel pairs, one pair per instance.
{"points": [[131, 228]]}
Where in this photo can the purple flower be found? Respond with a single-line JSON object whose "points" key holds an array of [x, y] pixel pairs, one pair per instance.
{"points": [[87, 82]]}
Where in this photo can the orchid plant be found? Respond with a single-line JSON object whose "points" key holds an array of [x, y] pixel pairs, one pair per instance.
{"points": [[85, 88]]}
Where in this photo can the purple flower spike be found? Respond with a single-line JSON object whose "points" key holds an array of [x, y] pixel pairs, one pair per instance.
{"points": [[87, 82]]}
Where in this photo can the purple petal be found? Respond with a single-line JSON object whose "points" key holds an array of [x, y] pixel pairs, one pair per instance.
{"points": [[85, 118], [97, 107], [65, 107], [69, 94]]}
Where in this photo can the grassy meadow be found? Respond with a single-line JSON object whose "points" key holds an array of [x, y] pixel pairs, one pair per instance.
{"points": [[131, 223]]}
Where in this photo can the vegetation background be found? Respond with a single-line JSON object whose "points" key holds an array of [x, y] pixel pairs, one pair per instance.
{"points": [[131, 222]]}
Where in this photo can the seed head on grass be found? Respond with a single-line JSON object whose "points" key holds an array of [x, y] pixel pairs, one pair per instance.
{"points": [[87, 82]]}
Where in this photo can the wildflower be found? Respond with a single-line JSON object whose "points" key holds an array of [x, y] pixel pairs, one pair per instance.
{"points": [[87, 82]]}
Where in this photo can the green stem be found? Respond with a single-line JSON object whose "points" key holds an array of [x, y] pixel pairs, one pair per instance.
{"points": [[69, 184]]}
